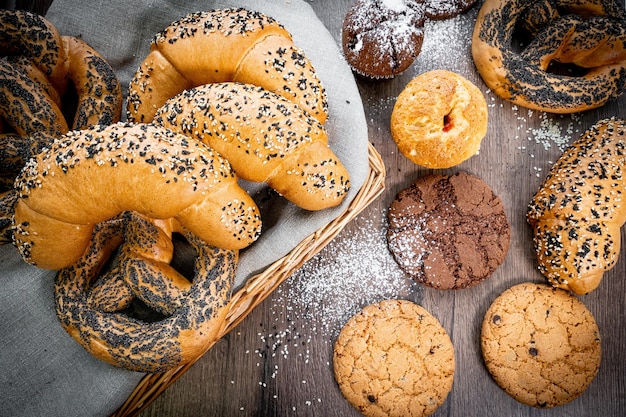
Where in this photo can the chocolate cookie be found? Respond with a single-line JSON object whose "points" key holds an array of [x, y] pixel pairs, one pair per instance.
{"points": [[394, 358], [382, 38], [448, 231], [540, 344]]}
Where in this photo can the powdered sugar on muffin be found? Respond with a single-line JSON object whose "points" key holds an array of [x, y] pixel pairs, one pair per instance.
{"points": [[382, 38]]}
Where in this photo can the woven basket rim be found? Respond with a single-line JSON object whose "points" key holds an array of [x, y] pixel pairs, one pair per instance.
{"points": [[259, 287]]}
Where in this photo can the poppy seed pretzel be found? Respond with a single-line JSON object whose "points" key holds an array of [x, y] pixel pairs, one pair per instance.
{"points": [[36, 51], [224, 45], [591, 36], [28, 34], [184, 315], [92, 175], [577, 213]]}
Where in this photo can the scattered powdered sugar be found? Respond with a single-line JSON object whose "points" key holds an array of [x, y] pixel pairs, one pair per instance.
{"points": [[442, 7], [549, 132], [539, 131], [555, 132], [345, 276], [318, 299], [395, 5], [446, 43]]}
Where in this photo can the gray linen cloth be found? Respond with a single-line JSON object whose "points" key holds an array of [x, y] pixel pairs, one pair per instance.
{"points": [[43, 370]]}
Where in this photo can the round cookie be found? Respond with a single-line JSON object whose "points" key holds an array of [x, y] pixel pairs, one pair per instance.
{"points": [[382, 38], [448, 231], [446, 9], [394, 358], [439, 119], [540, 344]]}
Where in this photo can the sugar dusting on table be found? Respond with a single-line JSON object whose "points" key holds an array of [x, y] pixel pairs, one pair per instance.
{"points": [[540, 132], [345, 276], [348, 274]]}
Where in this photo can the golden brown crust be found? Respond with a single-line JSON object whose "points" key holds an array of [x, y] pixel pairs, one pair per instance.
{"points": [[99, 91], [439, 119], [183, 315], [224, 45], [265, 137], [577, 213], [89, 176], [33, 84], [526, 78], [394, 358]]}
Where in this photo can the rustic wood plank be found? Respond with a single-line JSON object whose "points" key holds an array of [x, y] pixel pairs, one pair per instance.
{"points": [[246, 374]]}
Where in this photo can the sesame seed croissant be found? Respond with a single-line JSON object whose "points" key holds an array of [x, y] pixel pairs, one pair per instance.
{"points": [[265, 137], [224, 45], [92, 175], [577, 213]]}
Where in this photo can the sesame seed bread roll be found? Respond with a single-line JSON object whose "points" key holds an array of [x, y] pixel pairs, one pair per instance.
{"points": [[577, 213], [224, 45], [265, 137], [90, 176]]}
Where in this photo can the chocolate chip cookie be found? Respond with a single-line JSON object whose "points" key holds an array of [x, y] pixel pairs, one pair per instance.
{"points": [[394, 358], [540, 344]]}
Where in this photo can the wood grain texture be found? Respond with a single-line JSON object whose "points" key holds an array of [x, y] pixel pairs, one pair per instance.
{"points": [[277, 362], [246, 374]]}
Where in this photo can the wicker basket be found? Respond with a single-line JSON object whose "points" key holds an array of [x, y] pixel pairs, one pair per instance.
{"points": [[262, 285]]}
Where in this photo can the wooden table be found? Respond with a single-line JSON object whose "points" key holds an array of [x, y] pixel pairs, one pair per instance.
{"points": [[278, 361]]}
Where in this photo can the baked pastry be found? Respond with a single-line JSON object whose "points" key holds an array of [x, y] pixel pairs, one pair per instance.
{"points": [[99, 92], [381, 39], [394, 358], [24, 33], [265, 137], [577, 213], [180, 316], [224, 45], [448, 231], [26, 107], [540, 344], [91, 175], [446, 9], [593, 51], [36, 74], [439, 119], [51, 61]]}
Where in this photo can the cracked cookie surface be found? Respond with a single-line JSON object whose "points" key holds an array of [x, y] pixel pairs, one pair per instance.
{"points": [[448, 231], [540, 344], [394, 358]]}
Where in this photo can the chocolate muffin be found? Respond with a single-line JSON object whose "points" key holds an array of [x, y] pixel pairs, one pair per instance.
{"points": [[448, 231], [382, 38]]}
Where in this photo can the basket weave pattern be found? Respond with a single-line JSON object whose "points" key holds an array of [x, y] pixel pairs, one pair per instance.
{"points": [[260, 286]]}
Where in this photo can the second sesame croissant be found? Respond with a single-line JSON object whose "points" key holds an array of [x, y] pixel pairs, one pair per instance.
{"points": [[265, 137]]}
